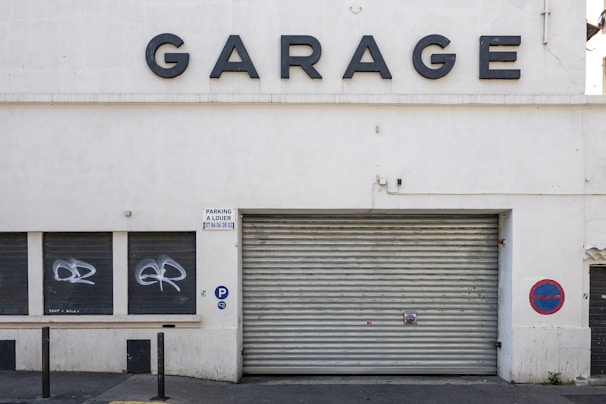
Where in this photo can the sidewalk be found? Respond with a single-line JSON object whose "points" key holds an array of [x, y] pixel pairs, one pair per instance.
{"points": [[97, 388]]}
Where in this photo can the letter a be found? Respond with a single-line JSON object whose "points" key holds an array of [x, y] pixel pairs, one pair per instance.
{"points": [[377, 66], [224, 65]]}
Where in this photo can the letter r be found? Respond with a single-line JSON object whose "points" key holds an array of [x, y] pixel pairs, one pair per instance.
{"points": [[306, 62]]}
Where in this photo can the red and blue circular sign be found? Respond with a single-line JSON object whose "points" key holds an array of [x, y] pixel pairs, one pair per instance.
{"points": [[546, 296]]}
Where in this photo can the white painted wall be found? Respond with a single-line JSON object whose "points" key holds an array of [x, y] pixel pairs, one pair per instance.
{"points": [[109, 158], [161, 161], [93, 133], [92, 47], [596, 50]]}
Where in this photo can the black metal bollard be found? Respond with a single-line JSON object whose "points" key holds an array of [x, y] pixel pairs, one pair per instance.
{"points": [[161, 366], [45, 362]]}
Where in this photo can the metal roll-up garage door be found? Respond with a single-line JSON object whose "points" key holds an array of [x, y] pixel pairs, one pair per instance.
{"points": [[326, 294]]}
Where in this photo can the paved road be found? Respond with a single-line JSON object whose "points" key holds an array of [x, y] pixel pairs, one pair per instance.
{"points": [[97, 388]]}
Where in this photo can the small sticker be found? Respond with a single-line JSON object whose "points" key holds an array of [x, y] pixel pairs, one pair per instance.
{"points": [[221, 305], [410, 318]]}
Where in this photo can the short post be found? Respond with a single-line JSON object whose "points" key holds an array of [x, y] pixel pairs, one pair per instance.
{"points": [[45, 362], [161, 366]]}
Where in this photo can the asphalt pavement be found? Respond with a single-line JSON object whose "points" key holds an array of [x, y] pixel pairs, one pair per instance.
{"points": [[95, 388]]}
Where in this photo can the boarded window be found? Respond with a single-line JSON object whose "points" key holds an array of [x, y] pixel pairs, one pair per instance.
{"points": [[13, 273], [78, 273], [162, 273]]}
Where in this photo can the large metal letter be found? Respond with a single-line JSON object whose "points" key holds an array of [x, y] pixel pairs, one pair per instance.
{"points": [[181, 60], [306, 62], [377, 66], [446, 60], [486, 56], [224, 65]]}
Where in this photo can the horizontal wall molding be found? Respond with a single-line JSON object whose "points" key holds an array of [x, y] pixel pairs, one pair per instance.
{"points": [[105, 322], [370, 99]]}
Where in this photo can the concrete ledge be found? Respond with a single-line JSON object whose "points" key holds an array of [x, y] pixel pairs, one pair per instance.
{"points": [[597, 381], [92, 321], [266, 98]]}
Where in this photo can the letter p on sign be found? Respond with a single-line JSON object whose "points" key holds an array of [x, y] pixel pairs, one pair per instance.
{"points": [[221, 292]]}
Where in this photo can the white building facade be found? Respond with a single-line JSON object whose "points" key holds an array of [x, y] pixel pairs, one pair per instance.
{"points": [[310, 187], [596, 48]]}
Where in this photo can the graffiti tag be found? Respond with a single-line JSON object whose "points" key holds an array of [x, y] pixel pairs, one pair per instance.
{"points": [[73, 266], [159, 270]]}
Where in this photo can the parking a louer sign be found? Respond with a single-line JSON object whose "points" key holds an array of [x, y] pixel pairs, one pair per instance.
{"points": [[219, 219], [440, 63]]}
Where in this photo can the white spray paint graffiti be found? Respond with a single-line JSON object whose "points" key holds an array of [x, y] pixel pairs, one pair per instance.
{"points": [[159, 268], [73, 265]]}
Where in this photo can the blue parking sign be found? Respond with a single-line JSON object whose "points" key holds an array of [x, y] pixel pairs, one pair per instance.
{"points": [[221, 292]]}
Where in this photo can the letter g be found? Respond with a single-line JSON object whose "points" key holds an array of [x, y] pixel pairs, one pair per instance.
{"points": [[446, 61], [180, 60]]}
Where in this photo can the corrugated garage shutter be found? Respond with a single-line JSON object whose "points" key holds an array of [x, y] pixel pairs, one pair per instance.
{"points": [[597, 318], [78, 273], [13, 274], [326, 294], [162, 273]]}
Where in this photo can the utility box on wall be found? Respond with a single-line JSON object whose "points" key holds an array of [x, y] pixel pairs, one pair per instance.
{"points": [[7, 355], [138, 356]]}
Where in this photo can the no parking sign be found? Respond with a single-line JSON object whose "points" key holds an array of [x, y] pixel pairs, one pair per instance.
{"points": [[546, 297]]}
